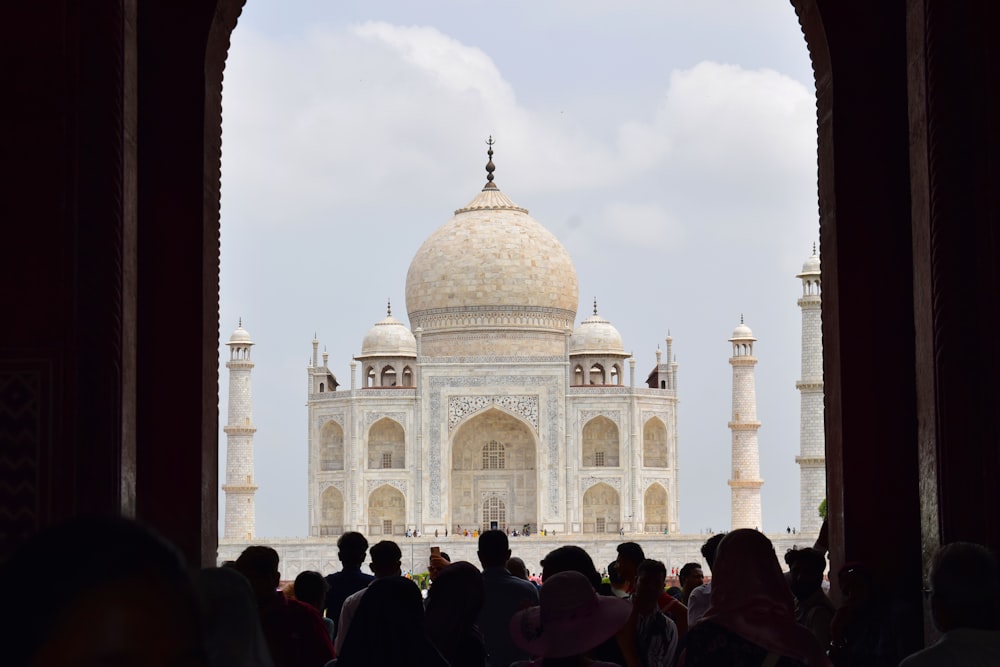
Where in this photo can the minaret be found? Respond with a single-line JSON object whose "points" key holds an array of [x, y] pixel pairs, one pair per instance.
{"points": [[745, 481], [239, 487], [812, 438]]}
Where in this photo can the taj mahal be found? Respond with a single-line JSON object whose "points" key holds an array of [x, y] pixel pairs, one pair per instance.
{"points": [[494, 409]]}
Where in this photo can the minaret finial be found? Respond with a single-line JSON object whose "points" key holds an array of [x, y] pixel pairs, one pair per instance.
{"points": [[490, 167], [388, 307], [241, 323], [595, 305], [741, 318], [814, 247]]}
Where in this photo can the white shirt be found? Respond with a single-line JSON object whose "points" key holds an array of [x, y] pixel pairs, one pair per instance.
{"points": [[346, 614], [698, 603], [964, 646]]}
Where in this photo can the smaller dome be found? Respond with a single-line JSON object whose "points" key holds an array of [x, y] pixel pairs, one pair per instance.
{"points": [[742, 332], [596, 336], [389, 338], [812, 265], [240, 337]]}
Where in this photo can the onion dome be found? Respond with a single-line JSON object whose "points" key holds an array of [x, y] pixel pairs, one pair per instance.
{"points": [[241, 336], [389, 338], [492, 266], [811, 266], [742, 332], [597, 337]]}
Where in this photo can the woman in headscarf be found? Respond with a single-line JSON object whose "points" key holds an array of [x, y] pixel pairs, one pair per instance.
{"points": [[388, 628], [453, 604], [751, 619]]}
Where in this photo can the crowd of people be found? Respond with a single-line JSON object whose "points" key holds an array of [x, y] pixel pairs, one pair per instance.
{"points": [[109, 591]]}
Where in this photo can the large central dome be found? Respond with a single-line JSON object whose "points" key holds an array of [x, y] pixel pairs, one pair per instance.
{"points": [[492, 280]]}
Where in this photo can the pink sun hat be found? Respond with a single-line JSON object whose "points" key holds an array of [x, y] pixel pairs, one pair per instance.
{"points": [[570, 620]]}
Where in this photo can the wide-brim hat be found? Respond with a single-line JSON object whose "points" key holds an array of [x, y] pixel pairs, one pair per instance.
{"points": [[570, 620]]}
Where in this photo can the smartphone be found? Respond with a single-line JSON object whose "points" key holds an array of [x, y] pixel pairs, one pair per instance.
{"points": [[435, 551]]}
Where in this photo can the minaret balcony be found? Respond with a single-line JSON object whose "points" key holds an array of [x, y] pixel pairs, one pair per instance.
{"points": [[239, 488], [811, 460], [239, 430], [744, 426], [746, 483]]}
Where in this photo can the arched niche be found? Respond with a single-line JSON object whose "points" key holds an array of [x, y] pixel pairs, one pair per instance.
{"points": [[386, 445], [331, 447], [386, 511], [601, 509], [600, 443], [654, 444], [331, 512], [476, 473], [654, 503]]}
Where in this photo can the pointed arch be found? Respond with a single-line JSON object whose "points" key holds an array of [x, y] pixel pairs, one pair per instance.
{"points": [[386, 511], [654, 444], [479, 440], [407, 380], [370, 378], [386, 445], [387, 378], [597, 375], [578, 376], [654, 503], [601, 509], [331, 512], [600, 443], [331, 447]]}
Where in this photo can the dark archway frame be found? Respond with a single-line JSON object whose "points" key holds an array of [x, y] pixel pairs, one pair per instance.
{"points": [[108, 364]]}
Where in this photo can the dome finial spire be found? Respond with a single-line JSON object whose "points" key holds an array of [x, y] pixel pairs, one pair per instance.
{"points": [[741, 318], [490, 167], [814, 247], [388, 307], [595, 305], [240, 325]]}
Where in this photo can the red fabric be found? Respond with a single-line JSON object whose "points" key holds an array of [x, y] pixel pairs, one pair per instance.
{"points": [[750, 597], [296, 635]]}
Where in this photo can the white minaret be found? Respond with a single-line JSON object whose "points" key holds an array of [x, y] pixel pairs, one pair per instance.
{"points": [[745, 481], [812, 438], [239, 487]]}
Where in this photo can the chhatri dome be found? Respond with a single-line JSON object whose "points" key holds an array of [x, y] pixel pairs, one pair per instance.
{"points": [[811, 266], [492, 280], [742, 332], [389, 338], [596, 336], [241, 336]]}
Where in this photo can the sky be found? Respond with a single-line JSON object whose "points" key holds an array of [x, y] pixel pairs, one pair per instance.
{"points": [[669, 145]]}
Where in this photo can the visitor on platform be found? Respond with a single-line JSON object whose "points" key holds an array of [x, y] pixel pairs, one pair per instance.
{"points": [[504, 594], [700, 597], [569, 622], [351, 551], [751, 620], [295, 633], [964, 591]]}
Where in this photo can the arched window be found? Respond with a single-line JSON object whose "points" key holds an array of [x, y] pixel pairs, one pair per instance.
{"points": [[407, 377], [578, 375], [494, 456], [388, 377]]}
